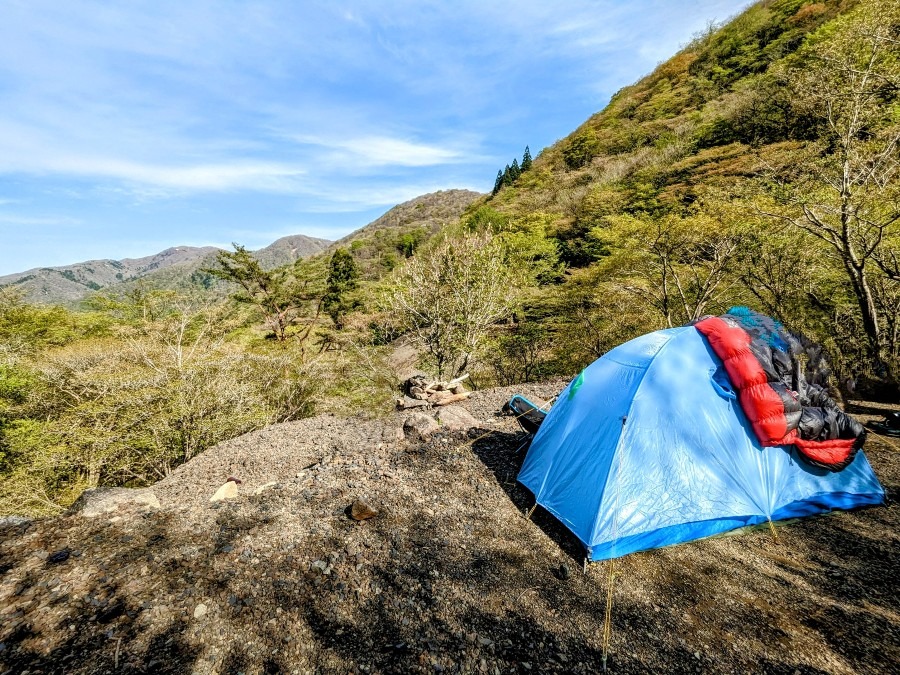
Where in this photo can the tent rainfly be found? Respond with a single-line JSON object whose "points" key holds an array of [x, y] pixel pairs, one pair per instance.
{"points": [[649, 446]]}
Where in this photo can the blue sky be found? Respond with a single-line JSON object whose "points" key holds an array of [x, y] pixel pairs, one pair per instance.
{"points": [[129, 127]]}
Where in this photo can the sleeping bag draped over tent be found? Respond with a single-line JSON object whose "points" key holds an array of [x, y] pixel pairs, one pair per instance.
{"points": [[649, 447], [764, 363]]}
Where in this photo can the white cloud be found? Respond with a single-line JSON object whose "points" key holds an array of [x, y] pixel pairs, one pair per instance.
{"points": [[382, 151], [25, 221], [237, 175]]}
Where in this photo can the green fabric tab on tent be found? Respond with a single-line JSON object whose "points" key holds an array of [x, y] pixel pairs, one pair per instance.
{"points": [[576, 385]]}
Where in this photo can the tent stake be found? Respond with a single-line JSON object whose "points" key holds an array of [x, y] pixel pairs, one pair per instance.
{"points": [[529, 512], [772, 527]]}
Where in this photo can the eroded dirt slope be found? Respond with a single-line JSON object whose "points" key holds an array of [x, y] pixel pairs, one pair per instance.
{"points": [[449, 577]]}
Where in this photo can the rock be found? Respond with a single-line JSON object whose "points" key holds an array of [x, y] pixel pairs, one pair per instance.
{"points": [[455, 418], [359, 510], [402, 361], [103, 501], [406, 403], [563, 572], [458, 389], [59, 556], [200, 611], [419, 426], [228, 491], [14, 521]]}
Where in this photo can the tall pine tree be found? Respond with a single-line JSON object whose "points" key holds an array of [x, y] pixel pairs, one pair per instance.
{"points": [[514, 171], [498, 183], [526, 160]]}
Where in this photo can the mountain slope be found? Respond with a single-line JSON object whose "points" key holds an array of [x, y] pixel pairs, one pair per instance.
{"points": [[701, 116], [178, 267], [685, 195], [70, 283], [380, 245], [287, 250]]}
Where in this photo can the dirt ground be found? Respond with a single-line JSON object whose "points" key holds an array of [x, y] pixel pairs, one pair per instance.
{"points": [[448, 577]]}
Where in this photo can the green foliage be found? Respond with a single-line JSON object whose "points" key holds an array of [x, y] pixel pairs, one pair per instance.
{"points": [[512, 172], [486, 219], [126, 409], [408, 242], [281, 295], [581, 148], [342, 281], [526, 160], [520, 354], [447, 299], [32, 327], [579, 244]]}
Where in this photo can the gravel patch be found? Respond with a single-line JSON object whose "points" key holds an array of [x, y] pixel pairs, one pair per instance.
{"points": [[447, 577]]}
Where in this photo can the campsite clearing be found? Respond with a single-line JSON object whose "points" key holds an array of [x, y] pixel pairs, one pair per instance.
{"points": [[448, 577]]}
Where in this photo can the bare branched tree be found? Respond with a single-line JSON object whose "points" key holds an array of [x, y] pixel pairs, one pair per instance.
{"points": [[447, 298], [679, 266], [844, 190]]}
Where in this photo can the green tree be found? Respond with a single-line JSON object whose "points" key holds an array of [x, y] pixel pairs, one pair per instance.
{"points": [[343, 276], [844, 190], [448, 297], [514, 171], [680, 266], [278, 295], [498, 183], [526, 160]]}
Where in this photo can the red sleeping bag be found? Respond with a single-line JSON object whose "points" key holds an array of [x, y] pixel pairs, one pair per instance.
{"points": [[757, 355]]}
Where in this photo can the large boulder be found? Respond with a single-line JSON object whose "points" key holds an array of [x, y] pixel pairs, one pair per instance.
{"points": [[105, 501]]}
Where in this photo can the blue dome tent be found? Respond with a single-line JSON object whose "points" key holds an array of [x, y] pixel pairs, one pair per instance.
{"points": [[649, 447]]}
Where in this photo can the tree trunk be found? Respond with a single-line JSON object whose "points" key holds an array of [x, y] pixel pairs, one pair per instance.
{"points": [[867, 309]]}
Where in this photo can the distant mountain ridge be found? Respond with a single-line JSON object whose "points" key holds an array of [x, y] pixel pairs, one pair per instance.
{"points": [[69, 284], [181, 268]]}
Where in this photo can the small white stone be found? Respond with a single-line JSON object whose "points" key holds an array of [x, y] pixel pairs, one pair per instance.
{"points": [[200, 611], [228, 491]]}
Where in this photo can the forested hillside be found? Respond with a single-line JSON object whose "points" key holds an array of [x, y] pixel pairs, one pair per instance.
{"points": [[758, 167]]}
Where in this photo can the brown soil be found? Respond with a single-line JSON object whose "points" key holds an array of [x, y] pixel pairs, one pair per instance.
{"points": [[449, 577]]}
